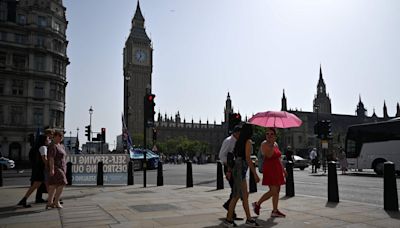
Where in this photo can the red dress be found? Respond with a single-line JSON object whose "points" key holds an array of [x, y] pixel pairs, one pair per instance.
{"points": [[273, 170]]}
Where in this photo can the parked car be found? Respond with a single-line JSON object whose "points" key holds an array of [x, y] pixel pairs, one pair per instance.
{"points": [[137, 156], [7, 163], [299, 162]]}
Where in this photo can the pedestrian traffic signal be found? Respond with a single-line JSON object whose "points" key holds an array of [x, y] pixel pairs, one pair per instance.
{"points": [[234, 119], [103, 135], [87, 132], [149, 109]]}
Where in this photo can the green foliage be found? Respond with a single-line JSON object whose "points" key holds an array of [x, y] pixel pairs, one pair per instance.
{"points": [[183, 146]]}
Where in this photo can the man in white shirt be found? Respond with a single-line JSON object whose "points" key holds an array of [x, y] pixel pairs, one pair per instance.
{"points": [[314, 160], [227, 146]]}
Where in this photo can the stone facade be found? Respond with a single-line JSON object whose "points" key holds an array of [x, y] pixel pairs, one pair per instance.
{"points": [[33, 63], [302, 139]]}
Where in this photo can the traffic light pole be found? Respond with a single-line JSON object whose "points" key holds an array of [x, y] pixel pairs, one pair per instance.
{"points": [[144, 142]]}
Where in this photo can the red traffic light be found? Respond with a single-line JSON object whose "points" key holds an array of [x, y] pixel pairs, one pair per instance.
{"points": [[150, 97]]}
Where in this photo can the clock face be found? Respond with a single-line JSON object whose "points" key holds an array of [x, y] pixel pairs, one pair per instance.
{"points": [[140, 55]]}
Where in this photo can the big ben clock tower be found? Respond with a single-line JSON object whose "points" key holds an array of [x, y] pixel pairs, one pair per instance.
{"points": [[138, 64]]}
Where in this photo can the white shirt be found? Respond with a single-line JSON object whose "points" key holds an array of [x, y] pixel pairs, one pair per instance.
{"points": [[227, 146], [313, 154], [43, 150]]}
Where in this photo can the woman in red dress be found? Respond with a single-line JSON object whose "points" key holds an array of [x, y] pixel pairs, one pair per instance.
{"points": [[273, 173]]}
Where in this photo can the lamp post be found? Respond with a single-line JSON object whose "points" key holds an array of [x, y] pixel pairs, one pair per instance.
{"points": [[77, 140], [316, 109], [126, 114], [90, 129]]}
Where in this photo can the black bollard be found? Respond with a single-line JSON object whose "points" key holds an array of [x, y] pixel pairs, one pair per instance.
{"points": [[220, 176], [252, 182], [333, 191], [160, 177], [100, 173], [69, 173], [189, 175], [1, 175], [130, 172], [289, 179], [390, 198]]}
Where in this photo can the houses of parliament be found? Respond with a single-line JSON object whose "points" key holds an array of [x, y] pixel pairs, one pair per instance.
{"points": [[138, 64]]}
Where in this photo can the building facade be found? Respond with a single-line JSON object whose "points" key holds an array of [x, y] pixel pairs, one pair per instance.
{"points": [[302, 139], [33, 61]]}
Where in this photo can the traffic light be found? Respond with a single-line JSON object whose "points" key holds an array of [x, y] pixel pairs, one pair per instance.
{"points": [[103, 135], [87, 132], [328, 129], [149, 109], [234, 119], [323, 129]]}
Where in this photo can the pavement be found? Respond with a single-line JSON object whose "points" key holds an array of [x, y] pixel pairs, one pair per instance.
{"points": [[178, 206]]}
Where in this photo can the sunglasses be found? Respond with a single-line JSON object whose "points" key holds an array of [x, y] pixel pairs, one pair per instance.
{"points": [[270, 134]]}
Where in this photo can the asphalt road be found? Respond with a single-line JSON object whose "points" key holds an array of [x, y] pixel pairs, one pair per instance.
{"points": [[363, 187]]}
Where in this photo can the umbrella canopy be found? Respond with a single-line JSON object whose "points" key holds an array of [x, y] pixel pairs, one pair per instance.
{"points": [[279, 119]]}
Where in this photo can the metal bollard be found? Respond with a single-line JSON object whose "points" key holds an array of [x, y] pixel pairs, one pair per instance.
{"points": [[160, 177], [1, 175], [252, 182], [69, 173], [100, 180], [390, 198], [130, 173], [333, 191], [220, 176], [289, 179], [189, 175]]}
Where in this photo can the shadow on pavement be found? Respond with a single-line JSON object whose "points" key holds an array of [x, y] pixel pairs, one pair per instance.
{"points": [[10, 211], [393, 214]]}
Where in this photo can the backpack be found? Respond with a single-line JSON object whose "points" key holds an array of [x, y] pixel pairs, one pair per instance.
{"points": [[260, 158]]}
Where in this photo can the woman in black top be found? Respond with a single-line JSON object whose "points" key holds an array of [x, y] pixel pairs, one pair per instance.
{"points": [[242, 151]]}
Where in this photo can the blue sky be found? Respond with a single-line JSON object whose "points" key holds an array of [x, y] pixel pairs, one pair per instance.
{"points": [[253, 49]]}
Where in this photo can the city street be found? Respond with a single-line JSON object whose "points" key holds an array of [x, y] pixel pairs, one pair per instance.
{"points": [[363, 187]]}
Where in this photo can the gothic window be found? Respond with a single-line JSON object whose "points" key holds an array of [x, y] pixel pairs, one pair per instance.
{"points": [[320, 89], [17, 87], [16, 115], [19, 61], [40, 63], [39, 89], [38, 117], [42, 21]]}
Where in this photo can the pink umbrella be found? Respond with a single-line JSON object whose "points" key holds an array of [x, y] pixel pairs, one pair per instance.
{"points": [[280, 119]]}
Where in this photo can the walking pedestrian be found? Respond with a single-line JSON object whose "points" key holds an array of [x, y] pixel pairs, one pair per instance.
{"points": [[314, 160], [342, 160], [228, 145], [43, 152], [273, 173], [242, 151], [57, 170], [38, 168]]}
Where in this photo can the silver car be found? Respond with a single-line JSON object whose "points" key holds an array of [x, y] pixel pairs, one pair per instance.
{"points": [[299, 162], [9, 164]]}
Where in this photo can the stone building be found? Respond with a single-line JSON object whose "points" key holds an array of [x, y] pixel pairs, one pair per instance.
{"points": [[33, 63], [302, 139]]}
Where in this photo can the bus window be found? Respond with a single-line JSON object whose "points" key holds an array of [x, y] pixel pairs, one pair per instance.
{"points": [[351, 149]]}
